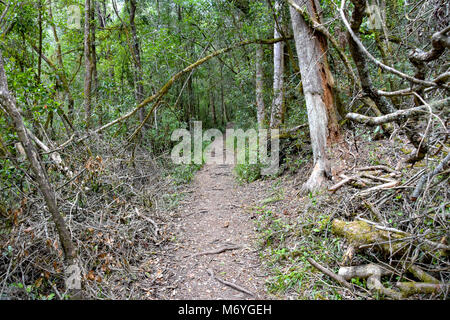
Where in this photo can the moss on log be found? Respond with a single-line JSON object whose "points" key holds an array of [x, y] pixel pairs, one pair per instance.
{"points": [[388, 240]]}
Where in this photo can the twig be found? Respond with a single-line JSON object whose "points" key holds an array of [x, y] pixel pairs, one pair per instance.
{"points": [[232, 285], [332, 275], [217, 251]]}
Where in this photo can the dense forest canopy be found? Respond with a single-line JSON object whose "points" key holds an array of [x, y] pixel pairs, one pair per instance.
{"points": [[92, 90]]}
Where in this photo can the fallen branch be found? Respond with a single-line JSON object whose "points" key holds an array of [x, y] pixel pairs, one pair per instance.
{"points": [[55, 156], [389, 240], [164, 89], [217, 251], [336, 277], [410, 288], [378, 167], [422, 275], [229, 284], [425, 178], [373, 274], [394, 116], [383, 186], [374, 60], [342, 182]]}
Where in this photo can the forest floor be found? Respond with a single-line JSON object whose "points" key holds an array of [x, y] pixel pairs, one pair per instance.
{"points": [[216, 255]]}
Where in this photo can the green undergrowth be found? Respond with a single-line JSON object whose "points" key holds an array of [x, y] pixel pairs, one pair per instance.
{"points": [[286, 243], [182, 174]]}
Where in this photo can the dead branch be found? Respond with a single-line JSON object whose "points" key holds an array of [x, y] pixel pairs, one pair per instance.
{"points": [[338, 278], [400, 114], [410, 288], [55, 156], [164, 89], [389, 240], [373, 274], [217, 251], [425, 178], [229, 284], [422, 275], [383, 186], [374, 60], [343, 182]]}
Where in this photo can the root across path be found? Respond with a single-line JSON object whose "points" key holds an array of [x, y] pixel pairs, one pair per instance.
{"points": [[215, 255]]}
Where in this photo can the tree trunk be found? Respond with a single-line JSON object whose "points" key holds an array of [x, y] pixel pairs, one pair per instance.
{"points": [[212, 105], [40, 41], [94, 55], [61, 72], [87, 63], [139, 86], [8, 101], [260, 108], [278, 74], [316, 78], [222, 98]]}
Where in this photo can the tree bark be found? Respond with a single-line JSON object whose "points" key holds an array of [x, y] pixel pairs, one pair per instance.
{"points": [[278, 74], [61, 73], [316, 79], [94, 55], [260, 107], [87, 63], [139, 86]]}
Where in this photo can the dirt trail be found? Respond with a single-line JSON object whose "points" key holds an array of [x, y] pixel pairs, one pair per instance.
{"points": [[212, 218]]}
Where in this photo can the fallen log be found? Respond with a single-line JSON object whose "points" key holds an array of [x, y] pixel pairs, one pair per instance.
{"points": [[410, 288], [388, 240], [422, 275]]}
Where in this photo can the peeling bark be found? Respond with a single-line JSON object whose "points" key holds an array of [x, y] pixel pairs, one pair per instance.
{"points": [[317, 88]]}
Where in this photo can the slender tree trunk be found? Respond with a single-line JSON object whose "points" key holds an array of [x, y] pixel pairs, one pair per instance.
{"points": [[139, 87], [211, 104], [62, 72], [222, 99], [324, 130], [8, 101], [40, 41], [260, 107], [94, 55], [88, 64], [278, 74]]}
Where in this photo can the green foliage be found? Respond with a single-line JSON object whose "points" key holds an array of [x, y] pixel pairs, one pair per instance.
{"points": [[248, 172], [182, 174]]}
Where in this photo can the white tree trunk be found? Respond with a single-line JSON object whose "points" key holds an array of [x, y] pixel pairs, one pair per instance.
{"points": [[317, 89], [278, 71], [260, 107]]}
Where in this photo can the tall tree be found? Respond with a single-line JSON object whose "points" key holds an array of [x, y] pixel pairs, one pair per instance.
{"points": [[278, 70], [316, 80], [260, 107], [139, 86], [87, 63]]}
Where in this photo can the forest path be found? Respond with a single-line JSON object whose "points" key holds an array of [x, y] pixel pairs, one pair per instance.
{"points": [[217, 237]]}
